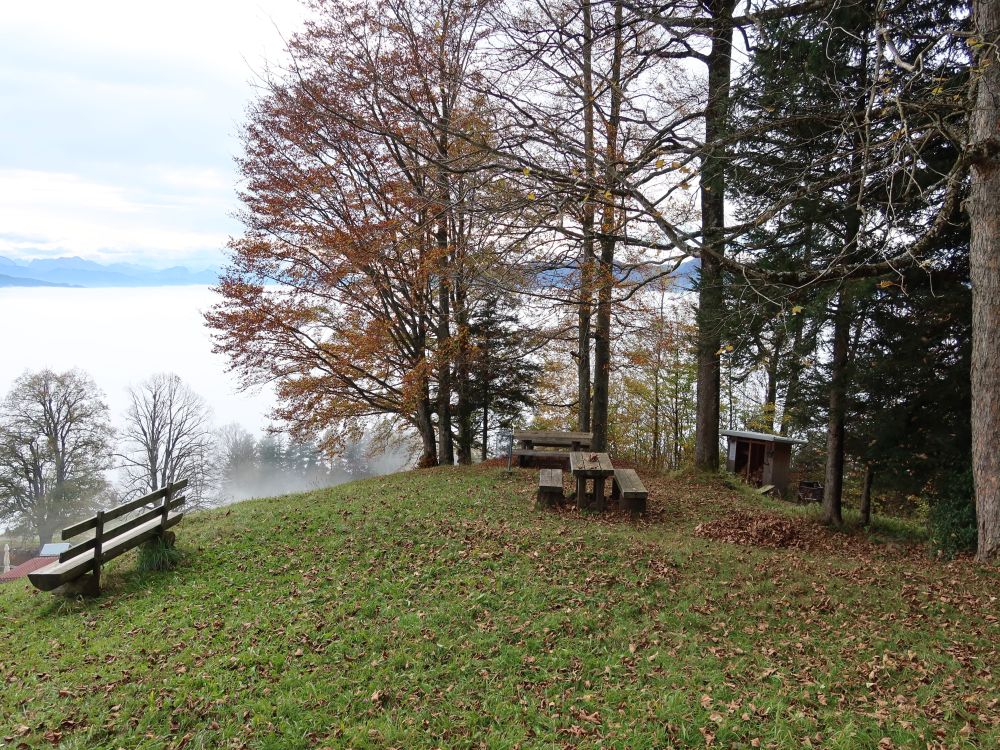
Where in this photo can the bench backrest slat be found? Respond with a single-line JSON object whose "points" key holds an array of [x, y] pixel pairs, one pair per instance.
{"points": [[121, 510], [89, 544]]}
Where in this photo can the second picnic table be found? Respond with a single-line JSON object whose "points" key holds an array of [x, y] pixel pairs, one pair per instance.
{"points": [[529, 439], [587, 465]]}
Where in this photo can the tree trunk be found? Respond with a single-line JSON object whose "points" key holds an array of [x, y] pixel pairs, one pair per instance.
{"points": [[984, 261], [713, 216], [866, 495], [587, 225], [425, 427], [606, 277], [44, 535], [833, 490]]}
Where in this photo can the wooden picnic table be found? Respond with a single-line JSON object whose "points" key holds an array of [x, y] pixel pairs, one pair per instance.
{"points": [[587, 465], [553, 439]]}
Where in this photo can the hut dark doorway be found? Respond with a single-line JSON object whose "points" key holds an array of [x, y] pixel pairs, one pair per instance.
{"points": [[750, 458]]}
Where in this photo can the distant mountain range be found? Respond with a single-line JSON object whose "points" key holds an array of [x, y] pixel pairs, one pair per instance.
{"points": [[77, 272]]}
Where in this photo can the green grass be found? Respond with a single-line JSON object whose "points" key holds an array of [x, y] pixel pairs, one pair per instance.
{"points": [[437, 609]]}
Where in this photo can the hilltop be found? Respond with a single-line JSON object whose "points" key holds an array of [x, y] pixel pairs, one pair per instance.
{"points": [[438, 609]]}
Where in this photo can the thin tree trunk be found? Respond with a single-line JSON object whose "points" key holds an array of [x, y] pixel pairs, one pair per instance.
{"points": [[446, 450], [794, 376], [486, 423], [424, 410], [464, 403], [984, 261], [425, 427], [797, 352], [713, 216], [771, 397], [866, 495], [833, 489], [602, 337]]}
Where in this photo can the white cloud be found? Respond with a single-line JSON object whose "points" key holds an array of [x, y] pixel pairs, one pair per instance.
{"points": [[119, 121], [56, 213], [220, 34]]}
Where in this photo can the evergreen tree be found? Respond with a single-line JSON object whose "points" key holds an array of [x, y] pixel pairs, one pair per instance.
{"points": [[503, 374]]}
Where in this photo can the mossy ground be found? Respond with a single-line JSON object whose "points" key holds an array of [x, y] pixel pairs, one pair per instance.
{"points": [[438, 609]]}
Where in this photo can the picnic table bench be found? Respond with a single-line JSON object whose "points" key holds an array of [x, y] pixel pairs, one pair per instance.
{"points": [[594, 466], [628, 491], [550, 488], [108, 543]]}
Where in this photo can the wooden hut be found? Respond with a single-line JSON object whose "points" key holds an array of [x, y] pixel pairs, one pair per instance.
{"points": [[760, 459]]}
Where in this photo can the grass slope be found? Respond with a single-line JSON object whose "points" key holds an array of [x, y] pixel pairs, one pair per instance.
{"points": [[437, 609]]}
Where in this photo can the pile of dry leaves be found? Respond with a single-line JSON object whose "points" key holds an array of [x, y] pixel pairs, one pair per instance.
{"points": [[761, 530]]}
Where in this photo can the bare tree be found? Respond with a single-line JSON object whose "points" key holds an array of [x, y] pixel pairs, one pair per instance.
{"points": [[55, 443], [168, 436]]}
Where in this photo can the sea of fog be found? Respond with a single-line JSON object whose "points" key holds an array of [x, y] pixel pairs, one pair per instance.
{"points": [[120, 337]]}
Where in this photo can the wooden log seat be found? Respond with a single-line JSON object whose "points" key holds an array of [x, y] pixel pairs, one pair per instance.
{"points": [[628, 491], [550, 488]]}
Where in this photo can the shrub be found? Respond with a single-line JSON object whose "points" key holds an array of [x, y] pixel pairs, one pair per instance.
{"points": [[951, 521]]}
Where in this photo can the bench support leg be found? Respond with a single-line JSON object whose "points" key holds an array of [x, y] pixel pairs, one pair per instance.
{"points": [[581, 492], [599, 494], [89, 585]]}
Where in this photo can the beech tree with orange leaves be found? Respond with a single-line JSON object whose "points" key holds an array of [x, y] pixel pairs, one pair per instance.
{"points": [[345, 287]]}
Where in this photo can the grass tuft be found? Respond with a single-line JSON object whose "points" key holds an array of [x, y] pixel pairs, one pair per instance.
{"points": [[158, 554]]}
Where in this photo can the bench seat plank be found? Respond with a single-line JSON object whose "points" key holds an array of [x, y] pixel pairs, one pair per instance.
{"points": [[629, 490], [550, 478], [550, 488], [58, 573]]}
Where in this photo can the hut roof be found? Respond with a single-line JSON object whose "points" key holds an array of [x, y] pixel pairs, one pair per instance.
{"points": [[762, 436]]}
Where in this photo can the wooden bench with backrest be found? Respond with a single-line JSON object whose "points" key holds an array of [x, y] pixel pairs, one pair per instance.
{"points": [[108, 543], [550, 488], [628, 491]]}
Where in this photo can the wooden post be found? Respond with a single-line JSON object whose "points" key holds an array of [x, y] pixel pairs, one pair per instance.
{"points": [[98, 551], [166, 508], [599, 494]]}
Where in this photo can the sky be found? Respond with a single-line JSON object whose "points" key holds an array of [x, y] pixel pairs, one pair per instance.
{"points": [[119, 124]]}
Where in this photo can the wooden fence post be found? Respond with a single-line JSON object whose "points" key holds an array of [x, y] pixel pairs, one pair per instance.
{"points": [[167, 498]]}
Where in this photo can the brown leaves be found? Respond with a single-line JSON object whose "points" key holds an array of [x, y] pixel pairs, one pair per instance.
{"points": [[755, 530]]}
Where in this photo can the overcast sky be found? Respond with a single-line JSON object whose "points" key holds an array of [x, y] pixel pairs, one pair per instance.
{"points": [[119, 123]]}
